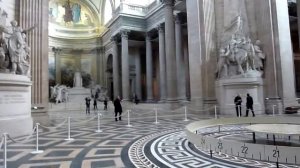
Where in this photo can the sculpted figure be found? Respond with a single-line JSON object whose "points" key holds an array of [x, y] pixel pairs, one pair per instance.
{"points": [[15, 47], [223, 63], [259, 56], [3, 51]]}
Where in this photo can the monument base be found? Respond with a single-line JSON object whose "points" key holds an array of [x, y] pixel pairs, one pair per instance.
{"points": [[227, 90], [15, 105]]}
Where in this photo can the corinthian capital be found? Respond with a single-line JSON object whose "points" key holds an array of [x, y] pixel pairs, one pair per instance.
{"points": [[168, 2], [160, 28], [124, 33]]}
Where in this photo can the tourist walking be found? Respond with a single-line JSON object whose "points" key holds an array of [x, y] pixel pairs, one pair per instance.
{"points": [[249, 105], [95, 104], [238, 105], [87, 105], [118, 108]]}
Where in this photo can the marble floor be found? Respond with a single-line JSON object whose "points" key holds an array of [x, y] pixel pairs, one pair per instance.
{"points": [[143, 144]]}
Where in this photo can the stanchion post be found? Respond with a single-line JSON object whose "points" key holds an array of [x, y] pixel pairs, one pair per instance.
{"points": [[37, 151], [99, 130], [155, 110], [273, 109], [5, 150], [128, 119], [216, 116], [185, 114], [69, 130]]}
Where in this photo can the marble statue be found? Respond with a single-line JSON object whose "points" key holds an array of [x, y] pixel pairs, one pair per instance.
{"points": [[239, 56], [59, 93], [16, 49], [77, 80]]}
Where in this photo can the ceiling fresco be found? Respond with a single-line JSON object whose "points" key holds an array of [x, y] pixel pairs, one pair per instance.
{"points": [[73, 19]]}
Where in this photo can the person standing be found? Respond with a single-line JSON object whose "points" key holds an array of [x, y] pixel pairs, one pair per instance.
{"points": [[136, 99], [105, 104], [87, 105], [238, 105], [249, 105], [118, 108], [95, 104]]}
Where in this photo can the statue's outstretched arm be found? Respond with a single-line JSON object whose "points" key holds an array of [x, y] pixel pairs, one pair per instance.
{"points": [[29, 29]]}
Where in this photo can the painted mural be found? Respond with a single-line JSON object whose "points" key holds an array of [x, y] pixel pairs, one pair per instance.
{"points": [[70, 13]]}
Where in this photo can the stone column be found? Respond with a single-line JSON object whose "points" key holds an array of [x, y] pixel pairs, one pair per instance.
{"points": [[116, 76], [298, 13], [195, 51], [35, 13], [138, 72], [162, 63], [149, 68], [170, 51], [125, 65], [285, 53], [180, 64], [57, 52]]}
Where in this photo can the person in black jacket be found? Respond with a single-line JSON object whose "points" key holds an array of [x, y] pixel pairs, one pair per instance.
{"points": [[118, 108], [238, 105], [87, 105], [249, 105]]}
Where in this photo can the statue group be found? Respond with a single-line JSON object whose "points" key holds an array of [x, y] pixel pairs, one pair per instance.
{"points": [[59, 93], [14, 51], [240, 56]]}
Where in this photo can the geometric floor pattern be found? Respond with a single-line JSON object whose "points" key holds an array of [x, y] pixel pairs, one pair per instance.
{"points": [[145, 144]]}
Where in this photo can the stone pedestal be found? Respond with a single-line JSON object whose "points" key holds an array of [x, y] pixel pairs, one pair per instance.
{"points": [[227, 89], [15, 105], [77, 80]]}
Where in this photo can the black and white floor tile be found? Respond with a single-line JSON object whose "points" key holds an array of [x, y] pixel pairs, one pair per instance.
{"points": [[145, 144]]}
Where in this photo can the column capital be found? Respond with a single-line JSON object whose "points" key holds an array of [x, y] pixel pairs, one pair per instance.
{"points": [[56, 50], [168, 2], [177, 18], [148, 36], [160, 28], [113, 38], [124, 33]]}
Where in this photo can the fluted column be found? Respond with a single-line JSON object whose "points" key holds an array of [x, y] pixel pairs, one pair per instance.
{"points": [[138, 72], [180, 64], [125, 66], [35, 13], [149, 68], [170, 51], [162, 63], [284, 46], [57, 52], [116, 76]]}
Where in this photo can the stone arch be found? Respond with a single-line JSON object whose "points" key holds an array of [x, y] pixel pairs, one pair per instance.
{"points": [[109, 75]]}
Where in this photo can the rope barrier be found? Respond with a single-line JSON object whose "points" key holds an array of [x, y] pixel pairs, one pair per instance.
{"points": [[85, 121], [25, 140], [204, 110], [58, 126], [122, 115]]}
